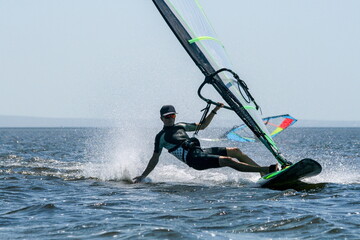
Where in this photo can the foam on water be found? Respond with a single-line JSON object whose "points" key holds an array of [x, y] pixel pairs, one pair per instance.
{"points": [[115, 156], [338, 169]]}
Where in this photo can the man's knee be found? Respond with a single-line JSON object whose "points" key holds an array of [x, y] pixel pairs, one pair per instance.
{"points": [[233, 151]]}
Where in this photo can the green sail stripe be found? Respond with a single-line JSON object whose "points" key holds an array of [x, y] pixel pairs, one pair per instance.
{"points": [[203, 38], [250, 107]]}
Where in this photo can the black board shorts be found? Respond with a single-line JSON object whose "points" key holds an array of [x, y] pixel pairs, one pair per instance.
{"points": [[205, 158]]}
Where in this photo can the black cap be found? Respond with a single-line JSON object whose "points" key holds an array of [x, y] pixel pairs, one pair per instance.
{"points": [[167, 110]]}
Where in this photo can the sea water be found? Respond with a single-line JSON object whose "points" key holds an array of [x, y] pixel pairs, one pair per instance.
{"points": [[75, 183]]}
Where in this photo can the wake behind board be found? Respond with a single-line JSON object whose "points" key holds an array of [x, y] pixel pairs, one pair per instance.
{"points": [[290, 176]]}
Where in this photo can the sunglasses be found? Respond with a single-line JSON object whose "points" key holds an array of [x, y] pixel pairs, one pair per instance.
{"points": [[169, 116]]}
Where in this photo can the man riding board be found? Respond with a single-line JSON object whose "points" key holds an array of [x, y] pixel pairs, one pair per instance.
{"points": [[174, 138]]}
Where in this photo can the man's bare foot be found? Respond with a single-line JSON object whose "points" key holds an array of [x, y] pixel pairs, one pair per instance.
{"points": [[270, 169], [274, 168]]}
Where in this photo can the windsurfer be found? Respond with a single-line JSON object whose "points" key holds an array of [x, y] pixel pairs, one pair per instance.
{"points": [[174, 138]]}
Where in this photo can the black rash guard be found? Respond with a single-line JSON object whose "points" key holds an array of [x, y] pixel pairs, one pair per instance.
{"points": [[172, 137]]}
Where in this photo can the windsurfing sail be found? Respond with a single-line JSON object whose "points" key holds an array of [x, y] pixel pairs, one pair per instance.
{"points": [[190, 25], [275, 125]]}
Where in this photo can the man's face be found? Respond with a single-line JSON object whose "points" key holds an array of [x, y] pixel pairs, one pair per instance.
{"points": [[169, 120]]}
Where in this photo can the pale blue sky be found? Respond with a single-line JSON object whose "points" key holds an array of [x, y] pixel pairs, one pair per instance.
{"points": [[118, 59]]}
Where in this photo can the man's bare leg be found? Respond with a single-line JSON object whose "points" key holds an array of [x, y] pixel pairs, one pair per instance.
{"points": [[242, 166], [239, 155]]}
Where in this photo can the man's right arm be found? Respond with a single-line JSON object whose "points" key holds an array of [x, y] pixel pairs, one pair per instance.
{"points": [[151, 165], [209, 118]]}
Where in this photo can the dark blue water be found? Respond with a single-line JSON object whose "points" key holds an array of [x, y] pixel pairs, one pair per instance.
{"points": [[75, 184]]}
